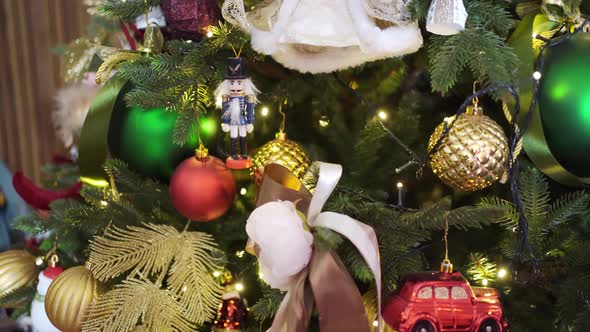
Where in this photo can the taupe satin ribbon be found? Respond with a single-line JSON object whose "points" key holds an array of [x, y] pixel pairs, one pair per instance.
{"points": [[325, 281]]}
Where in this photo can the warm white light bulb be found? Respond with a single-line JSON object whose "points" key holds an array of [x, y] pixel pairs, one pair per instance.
{"points": [[216, 274], [382, 115], [264, 111], [239, 287], [375, 323], [484, 282], [537, 75], [400, 185], [502, 273], [209, 33], [243, 191]]}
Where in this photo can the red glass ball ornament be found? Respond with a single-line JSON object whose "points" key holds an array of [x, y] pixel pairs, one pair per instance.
{"points": [[190, 19], [202, 189]]}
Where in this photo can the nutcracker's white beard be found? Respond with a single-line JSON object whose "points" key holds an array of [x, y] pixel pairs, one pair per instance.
{"points": [[234, 112], [223, 89]]}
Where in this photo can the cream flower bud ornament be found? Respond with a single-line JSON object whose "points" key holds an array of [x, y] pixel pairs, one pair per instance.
{"points": [[280, 231], [284, 243]]}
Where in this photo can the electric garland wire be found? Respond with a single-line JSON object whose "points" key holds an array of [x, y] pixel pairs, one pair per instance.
{"points": [[518, 131]]}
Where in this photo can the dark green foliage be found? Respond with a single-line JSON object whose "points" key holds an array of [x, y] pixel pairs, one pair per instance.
{"points": [[484, 53], [419, 8], [127, 10], [399, 232], [481, 48], [545, 217], [265, 309], [21, 298], [558, 243]]}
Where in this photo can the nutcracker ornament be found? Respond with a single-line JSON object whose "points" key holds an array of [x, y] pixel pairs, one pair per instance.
{"points": [[236, 96]]}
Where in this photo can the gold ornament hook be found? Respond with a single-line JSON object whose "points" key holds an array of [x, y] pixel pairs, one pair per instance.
{"points": [[53, 260], [283, 121], [475, 100]]}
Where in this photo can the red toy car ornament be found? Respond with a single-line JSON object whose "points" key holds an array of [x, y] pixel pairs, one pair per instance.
{"points": [[443, 302]]}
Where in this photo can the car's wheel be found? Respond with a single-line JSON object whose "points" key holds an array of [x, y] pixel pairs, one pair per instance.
{"points": [[423, 326], [489, 325]]}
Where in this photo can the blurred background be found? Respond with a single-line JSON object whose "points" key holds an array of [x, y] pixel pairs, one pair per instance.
{"points": [[30, 76]]}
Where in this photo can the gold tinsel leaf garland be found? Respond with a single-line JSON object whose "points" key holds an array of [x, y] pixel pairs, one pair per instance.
{"points": [[185, 258], [137, 301], [190, 277], [148, 249]]}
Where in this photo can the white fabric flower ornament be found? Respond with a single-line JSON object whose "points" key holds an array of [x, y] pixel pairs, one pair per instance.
{"points": [[284, 243]]}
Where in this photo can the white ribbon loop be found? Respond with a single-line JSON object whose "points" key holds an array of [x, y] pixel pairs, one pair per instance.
{"points": [[360, 235]]}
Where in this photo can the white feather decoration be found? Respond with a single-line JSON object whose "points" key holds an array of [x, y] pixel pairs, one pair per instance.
{"points": [[72, 104], [321, 36]]}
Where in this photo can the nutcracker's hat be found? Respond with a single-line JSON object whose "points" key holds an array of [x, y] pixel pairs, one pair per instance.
{"points": [[235, 69]]}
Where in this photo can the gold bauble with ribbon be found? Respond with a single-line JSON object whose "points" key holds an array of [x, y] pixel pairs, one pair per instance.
{"points": [[473, 155], [17, 270], [69, 296], [282, 151]]}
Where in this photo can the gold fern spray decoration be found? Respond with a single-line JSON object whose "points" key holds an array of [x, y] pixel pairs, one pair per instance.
{"points": [[182, 261]]}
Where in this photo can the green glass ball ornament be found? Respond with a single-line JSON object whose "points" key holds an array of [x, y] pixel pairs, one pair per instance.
{"points": [[143, 139], [564, 103]]}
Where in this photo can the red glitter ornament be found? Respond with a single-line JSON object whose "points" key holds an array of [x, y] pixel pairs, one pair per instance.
{"points": [[202, 189], [190, 19], [232, 314]]}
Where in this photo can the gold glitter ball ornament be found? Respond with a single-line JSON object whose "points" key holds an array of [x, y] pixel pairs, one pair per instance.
{"points": [[17, 270], [282, 151], [68, 298], [473, 155]]}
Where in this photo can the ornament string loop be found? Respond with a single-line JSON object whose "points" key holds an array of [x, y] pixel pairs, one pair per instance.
{"points": [[475, 99]]}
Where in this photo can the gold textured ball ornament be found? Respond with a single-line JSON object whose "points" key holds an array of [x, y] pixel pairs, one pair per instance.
{"points": [[69, 296], [282, 151], [473, 155], [17, 270]]}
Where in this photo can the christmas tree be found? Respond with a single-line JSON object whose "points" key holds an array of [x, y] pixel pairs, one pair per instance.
{"points": [[319, 152]]}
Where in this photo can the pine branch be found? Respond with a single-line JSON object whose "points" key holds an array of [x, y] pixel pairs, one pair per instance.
{"points": [[486, 55], [568, 206], [18, 298], [326, 239], [127, 10], [480, 267], [534, 192], [419, 8], [509, 218], [489, 16], [268, 305]]}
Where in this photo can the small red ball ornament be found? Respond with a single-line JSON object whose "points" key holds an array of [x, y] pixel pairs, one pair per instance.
{"points": [[202, 188]]}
